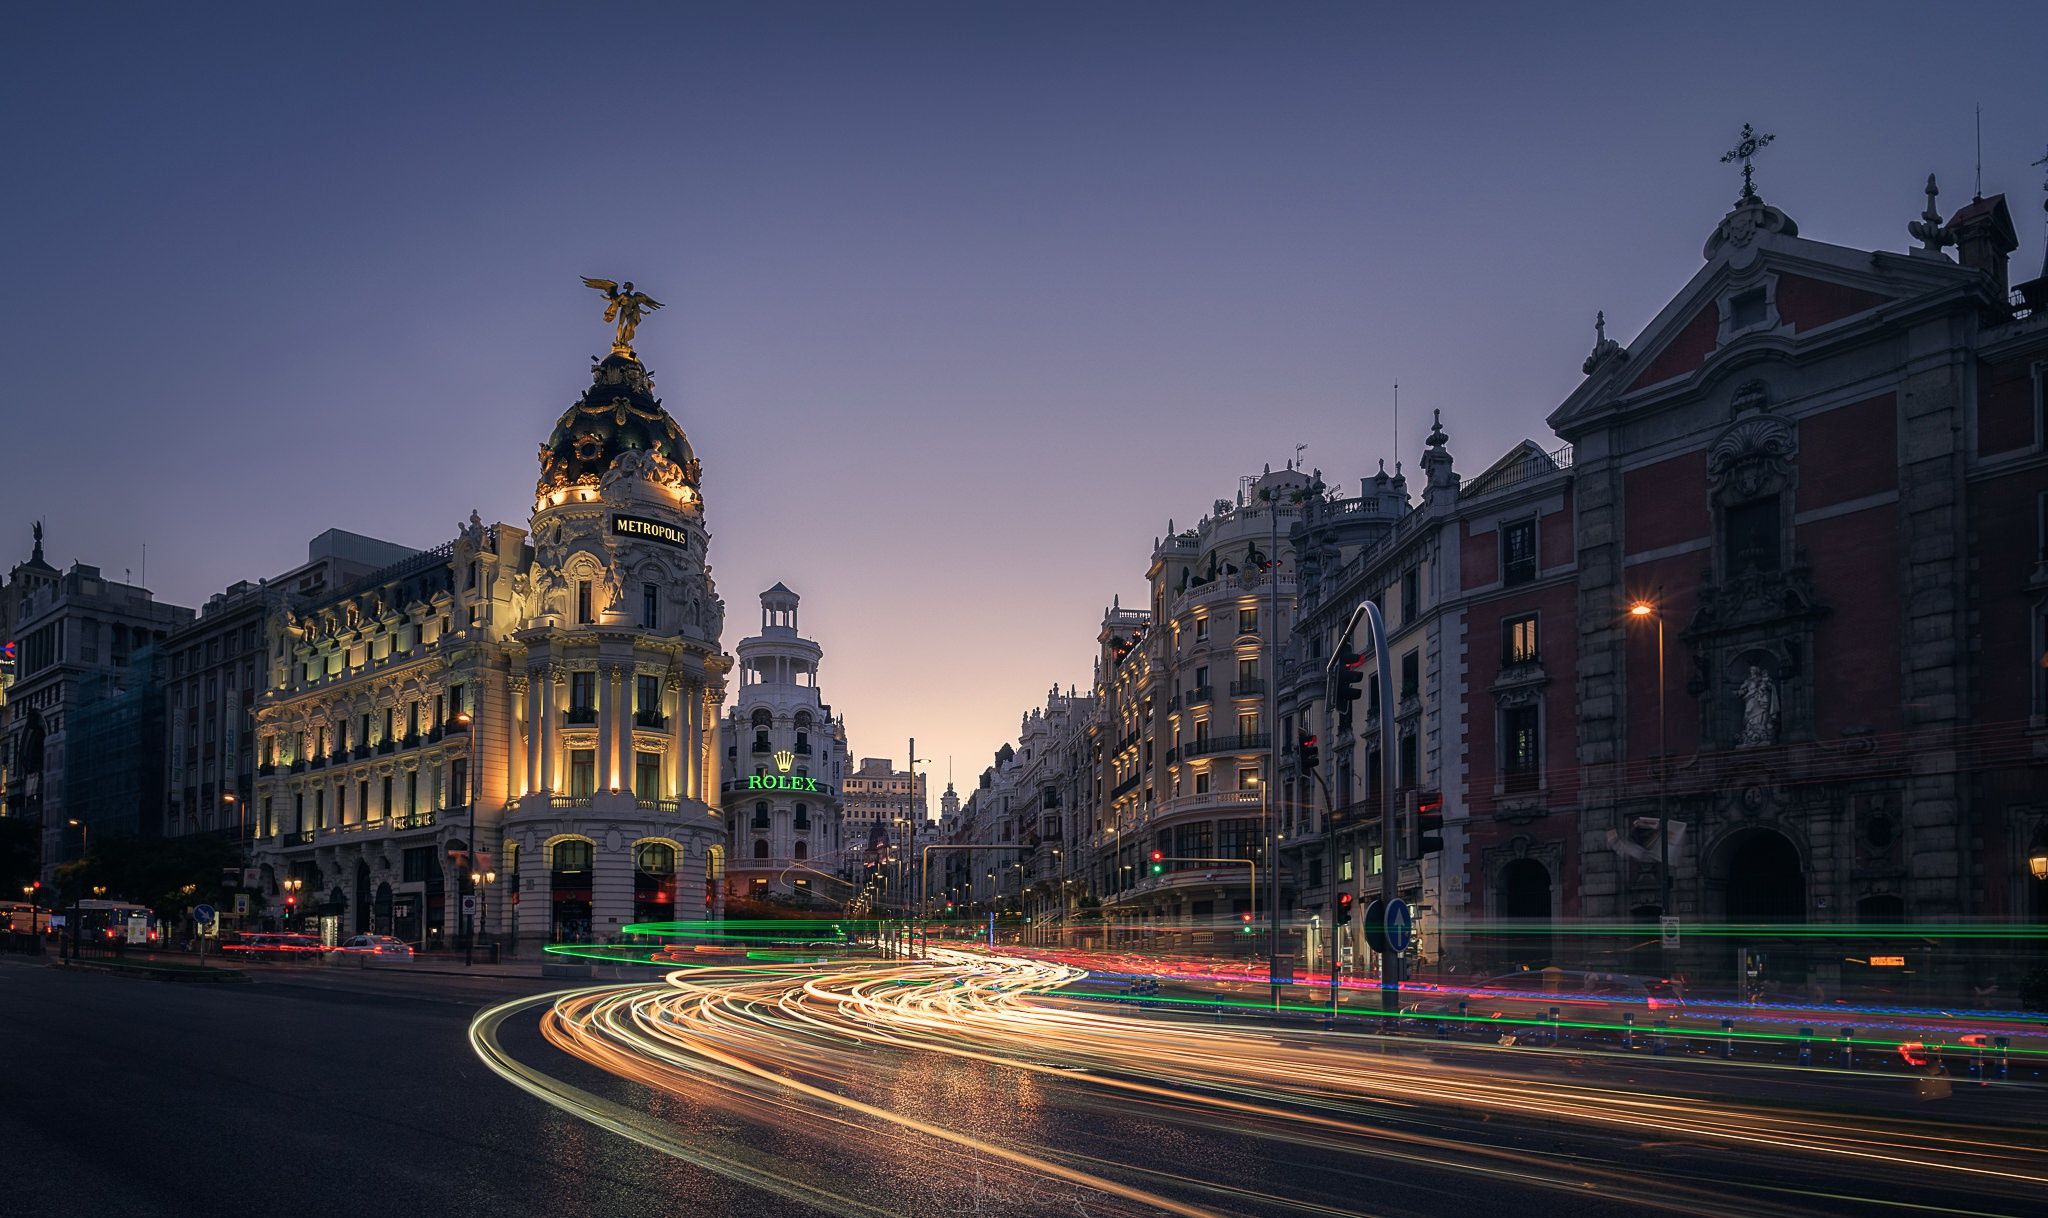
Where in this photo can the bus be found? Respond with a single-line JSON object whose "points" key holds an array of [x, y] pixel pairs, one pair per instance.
{"points": [[109, 922]]}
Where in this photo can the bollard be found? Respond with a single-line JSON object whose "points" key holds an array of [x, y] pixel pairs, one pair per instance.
{"points": [[1553, 1026], [1727, 1038], [1977, 1058], [1806, 1046], [2003, 1044], [1461, 1017], [1657, 1045], [1628, 1030], [1443, 1029], [1849, 1048]]}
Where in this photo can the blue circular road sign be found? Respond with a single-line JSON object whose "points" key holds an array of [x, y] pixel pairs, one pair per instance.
{"points": [[1400, 926], [203, 914]]}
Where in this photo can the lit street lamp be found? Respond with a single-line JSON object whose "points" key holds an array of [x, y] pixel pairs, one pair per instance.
{"points": [[1641, 610], [481, 881], [291, 886]]}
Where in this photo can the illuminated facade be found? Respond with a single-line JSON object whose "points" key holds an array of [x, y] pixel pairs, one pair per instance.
{"points": [[1183, 748], [535, 705], [786, 755]]}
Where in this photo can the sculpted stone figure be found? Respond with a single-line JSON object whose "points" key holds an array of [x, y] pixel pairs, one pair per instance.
{"points": [[1759, 709]]}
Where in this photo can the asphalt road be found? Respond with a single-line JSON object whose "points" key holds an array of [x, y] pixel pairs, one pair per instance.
{"points": [[332, 1091]]}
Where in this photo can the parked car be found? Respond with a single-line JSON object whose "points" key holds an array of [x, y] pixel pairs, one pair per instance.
{"points": [[383, 947]]}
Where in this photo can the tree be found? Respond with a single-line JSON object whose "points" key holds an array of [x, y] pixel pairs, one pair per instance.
{"points": [[170, 875]]}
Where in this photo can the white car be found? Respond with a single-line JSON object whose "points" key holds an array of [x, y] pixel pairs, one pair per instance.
{"points": [[383, 946]]}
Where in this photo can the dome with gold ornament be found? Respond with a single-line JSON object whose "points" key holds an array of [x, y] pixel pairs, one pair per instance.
{"points": [[617, 417]]}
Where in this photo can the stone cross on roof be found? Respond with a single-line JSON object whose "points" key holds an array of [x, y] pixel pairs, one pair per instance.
{"points": [[1750, 144]]}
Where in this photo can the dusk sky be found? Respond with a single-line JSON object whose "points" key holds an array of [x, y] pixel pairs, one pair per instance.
{"points": [[964, 300]]}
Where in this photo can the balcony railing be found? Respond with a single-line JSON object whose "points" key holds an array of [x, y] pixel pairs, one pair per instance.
{"points": [[266, 769], [1124, 788], [654, 720], [579, 715], [413, 820], [568, 801], [305, 837], [318, 763], [1214, 801], [386, 745], [1247, 689], [1248, 743], [662, 805], [359, 752], [762, 746]]}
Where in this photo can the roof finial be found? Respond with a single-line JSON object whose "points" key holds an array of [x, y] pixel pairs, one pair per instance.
{"points": [[38, 555], [1745, 150], [1933, 234], [1599, 327]]}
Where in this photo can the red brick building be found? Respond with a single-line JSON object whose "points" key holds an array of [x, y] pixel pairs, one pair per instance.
{"points": [[1822, 468]]}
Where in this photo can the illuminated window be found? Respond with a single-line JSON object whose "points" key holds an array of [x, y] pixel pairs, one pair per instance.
{"points": [[1248, 621], [1518, 640], [582, 772], [647, 775], [650, 606], [583, 601]]}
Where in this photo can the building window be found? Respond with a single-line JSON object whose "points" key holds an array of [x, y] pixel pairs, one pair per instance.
{"points": [[761, 815], [583, 601], [1518, 640], [1518, 552], [384, 808], [1411, 675], [1201, 782], [1411, 595], [583, 692], [1746, 309], [1248, 621], [412, 792], [650, 606], [647, 775], [582, 772], [1248, 778], [1750, 540], [1247, 724], [1247, 672], [1407, 761], [458, 783], [1201, 628], [761, 852], [1520, 761]]}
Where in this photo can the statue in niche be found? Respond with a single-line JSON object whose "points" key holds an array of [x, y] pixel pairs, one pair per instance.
{"points": [[1759, 709]]}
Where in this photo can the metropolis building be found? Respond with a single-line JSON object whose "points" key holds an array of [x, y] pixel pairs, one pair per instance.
{"points": [[537, 707], [787, 757]]}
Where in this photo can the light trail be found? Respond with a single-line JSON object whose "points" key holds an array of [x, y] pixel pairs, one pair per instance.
{"points": [[829, 1054]]}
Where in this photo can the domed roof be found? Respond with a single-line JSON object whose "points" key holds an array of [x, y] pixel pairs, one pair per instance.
{"points": [[618, 414]]}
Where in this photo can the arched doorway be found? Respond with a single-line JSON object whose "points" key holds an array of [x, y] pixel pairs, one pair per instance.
{"points": [[1523, 901], [380, 915], [1765, 881], [570, 869], [360, 910], [654, 882]]}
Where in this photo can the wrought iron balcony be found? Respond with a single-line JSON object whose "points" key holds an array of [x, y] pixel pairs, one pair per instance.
{"points": [[653, 720], [1248, 743], [1247, 689], [580, 715]]}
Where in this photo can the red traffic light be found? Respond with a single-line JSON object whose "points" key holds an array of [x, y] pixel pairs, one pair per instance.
{"points": [[1244, 917], [1344, 903], [1159, 856]]}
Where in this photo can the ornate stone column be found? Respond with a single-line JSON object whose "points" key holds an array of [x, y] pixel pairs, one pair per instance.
{"points": [[676, 770], [536, 717], [629, 681], [607, 716], [707, 742], [516, 732]]}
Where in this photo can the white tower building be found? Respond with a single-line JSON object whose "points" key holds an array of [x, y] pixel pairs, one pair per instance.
{"points": [[787, 757]]}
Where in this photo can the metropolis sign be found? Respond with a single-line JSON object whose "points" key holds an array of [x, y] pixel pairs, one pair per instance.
{"points": [[652, 530], [786, 782]]}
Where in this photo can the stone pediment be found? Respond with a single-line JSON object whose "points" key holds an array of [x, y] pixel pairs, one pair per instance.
{"points": [[1765, 295]]}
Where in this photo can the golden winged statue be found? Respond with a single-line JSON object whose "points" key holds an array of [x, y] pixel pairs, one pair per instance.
{"points": [[624, 305]]}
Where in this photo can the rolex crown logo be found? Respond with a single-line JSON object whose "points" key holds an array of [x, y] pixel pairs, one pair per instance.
{"points": [[783, 760]]}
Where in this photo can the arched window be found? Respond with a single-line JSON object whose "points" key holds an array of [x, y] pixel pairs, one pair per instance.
{"points": [[655, 858], [761, 815], [799, 852], [803, 720], [760, 848], [572, 855], [762, 720]]}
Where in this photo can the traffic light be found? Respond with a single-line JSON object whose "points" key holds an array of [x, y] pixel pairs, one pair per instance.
{"points": [[1350, 685], [1158, 862], [1306, 755], [1344, 902], [1246, 918], [1429, 822]]}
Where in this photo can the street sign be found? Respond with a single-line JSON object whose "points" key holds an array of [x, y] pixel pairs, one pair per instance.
{"points": [[138, 929], [1375, 920], [469, 905], [1400, 926], [1668, 931], [202, 914], [241, 904]]}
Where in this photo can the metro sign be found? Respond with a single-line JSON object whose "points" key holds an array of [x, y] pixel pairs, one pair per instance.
{"points": [[783, 782]]}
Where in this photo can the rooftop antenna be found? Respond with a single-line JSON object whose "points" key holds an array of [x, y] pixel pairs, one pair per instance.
{"points": [[1980, 152], [145, 566], [1397, 422]]}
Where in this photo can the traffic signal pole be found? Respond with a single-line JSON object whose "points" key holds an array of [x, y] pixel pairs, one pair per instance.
{"points": [[1337, 706]]}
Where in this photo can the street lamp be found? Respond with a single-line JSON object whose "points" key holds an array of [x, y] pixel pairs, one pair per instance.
{"points": [[84, 836], [482, 881], [2037, 862], [291, 886], [1641, 610]]}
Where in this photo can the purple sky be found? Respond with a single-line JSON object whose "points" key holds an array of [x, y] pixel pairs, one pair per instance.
{"points": [[965, 300]]}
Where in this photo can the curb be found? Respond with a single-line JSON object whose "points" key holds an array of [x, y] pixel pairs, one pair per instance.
{"points": [[149, 973]]}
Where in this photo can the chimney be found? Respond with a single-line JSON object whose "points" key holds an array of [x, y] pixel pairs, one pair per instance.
{"points": [[1984, 235]]}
